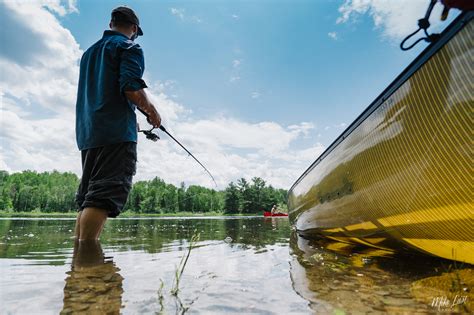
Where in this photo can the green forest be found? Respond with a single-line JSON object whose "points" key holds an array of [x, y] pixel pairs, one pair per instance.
{"points": [[54, 192]]}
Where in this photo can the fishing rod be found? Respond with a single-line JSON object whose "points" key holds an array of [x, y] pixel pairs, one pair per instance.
{"points": [[154, 137]]}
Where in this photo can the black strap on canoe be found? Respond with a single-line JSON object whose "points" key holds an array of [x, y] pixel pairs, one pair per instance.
{"points": [[423, 24]]}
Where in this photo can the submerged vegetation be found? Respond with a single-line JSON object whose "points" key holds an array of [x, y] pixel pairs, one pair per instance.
{"points": [[33, 193]]}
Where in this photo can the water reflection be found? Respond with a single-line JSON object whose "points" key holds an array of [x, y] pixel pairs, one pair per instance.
{"points": [[251, 273], [94, 283], [220, 276], [335, 277], [32, 238]]}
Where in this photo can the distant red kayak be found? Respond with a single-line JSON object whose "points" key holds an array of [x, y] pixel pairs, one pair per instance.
{"points": [[269, 214]]}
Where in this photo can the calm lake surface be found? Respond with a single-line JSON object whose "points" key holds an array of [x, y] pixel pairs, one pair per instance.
{"points": [[238, 265]]}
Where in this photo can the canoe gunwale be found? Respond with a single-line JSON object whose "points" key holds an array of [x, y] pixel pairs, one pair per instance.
{"points": [[451, 30]]}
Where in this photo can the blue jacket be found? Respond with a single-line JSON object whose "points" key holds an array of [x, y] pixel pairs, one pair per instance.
{"points": [[104, 115]]}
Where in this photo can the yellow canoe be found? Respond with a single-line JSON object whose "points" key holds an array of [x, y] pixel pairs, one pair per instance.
{"points": [[401, 175]]}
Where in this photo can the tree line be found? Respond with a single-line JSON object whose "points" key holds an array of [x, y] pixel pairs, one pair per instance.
{"points": [[49, 192]]}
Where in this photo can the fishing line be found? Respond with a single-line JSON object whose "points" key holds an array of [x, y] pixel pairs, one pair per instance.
{"points": [[154, 137]]}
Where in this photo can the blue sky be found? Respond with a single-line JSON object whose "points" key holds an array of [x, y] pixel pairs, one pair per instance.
{"points": [[254, 88], [220, 53]]}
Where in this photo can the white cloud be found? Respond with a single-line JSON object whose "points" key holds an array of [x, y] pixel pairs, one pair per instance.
{"points": [[217, 142], [234, 78], [178, 12], [333, 35], [43, 144], [255, 95], [396, 19], [236, 69], [236, 63], [41, 68], [59, 7], [163, 86], [37, 104], [38, 87], [303, 128], [227, 134], [169, 109]]}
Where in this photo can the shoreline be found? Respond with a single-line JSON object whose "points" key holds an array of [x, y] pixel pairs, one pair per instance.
{"points": [[125, 214]]}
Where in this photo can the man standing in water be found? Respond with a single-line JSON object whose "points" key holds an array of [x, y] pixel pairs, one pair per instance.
{"points": [[110, 86]]}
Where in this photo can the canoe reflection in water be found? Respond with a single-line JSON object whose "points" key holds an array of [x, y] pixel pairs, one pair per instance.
{"points": [[93, 285], [339, 277]]}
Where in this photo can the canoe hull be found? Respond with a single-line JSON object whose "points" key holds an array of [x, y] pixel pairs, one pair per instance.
{"points": [[401, 176]]}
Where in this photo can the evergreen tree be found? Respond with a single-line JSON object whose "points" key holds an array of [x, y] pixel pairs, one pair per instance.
{"points": [[232, 199], [245, 194]]}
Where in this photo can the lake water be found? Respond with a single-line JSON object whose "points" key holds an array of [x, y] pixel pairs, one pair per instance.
{"points": [[238, 265]]}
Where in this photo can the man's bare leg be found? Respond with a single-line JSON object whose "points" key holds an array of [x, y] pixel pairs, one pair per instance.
{"points": [[87, 253], [77, 229], [91, 223]]}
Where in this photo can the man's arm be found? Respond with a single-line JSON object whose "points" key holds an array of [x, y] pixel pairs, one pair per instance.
{"points": [[132, 65], [140, 99]]}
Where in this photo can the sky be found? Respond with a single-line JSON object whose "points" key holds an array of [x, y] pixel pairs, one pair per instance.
{"points": [[251, 88]]}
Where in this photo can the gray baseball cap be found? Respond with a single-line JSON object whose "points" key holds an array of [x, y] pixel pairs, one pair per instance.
{"points": [[126, 14]]}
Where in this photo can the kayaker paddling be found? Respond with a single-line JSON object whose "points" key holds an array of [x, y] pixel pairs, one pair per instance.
{"points": [[274, 212]]}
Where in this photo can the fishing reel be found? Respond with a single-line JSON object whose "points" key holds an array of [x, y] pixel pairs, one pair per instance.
{"points": [[150, 135]]}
